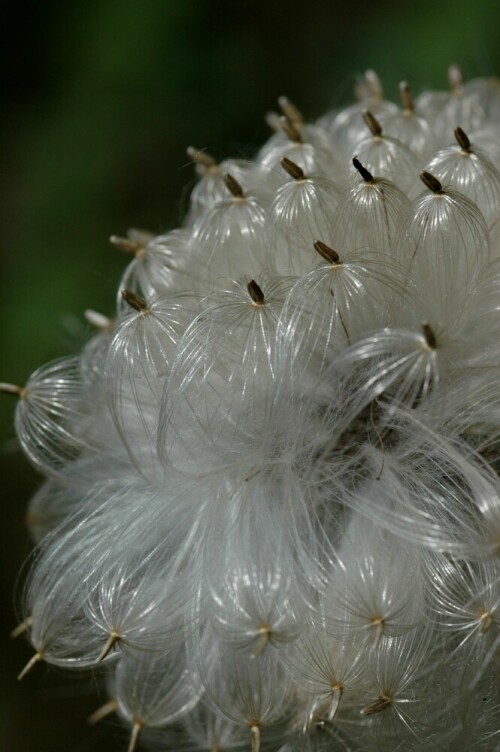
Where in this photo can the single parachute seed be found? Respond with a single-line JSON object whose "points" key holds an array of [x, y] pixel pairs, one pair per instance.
{"points": [[295, 172], [328, 253]]}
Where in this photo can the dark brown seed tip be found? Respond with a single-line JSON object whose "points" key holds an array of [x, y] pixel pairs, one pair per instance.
{"points": [[430, 182], [255, 293], [327, 253], [365, 174], [295, 172], [290, 130], [372, 123], [406, 97], [134, 301], [201, 157], [233, 186], [429, 335], [462, 139]]}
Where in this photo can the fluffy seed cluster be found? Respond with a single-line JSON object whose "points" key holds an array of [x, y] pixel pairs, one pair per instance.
{"points": [[271, 513]]}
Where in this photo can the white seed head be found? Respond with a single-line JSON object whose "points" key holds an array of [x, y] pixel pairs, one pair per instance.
{"points": [[271, 506]]}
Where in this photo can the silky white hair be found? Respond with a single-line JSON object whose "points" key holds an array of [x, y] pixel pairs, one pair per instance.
{"points": [[271, 508]]}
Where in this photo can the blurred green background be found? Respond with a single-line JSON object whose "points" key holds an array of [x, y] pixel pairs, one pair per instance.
{"points": [[100, 99]]}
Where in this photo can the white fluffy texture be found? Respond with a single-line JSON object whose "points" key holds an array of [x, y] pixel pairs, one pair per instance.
{"points": [[272, 506]]}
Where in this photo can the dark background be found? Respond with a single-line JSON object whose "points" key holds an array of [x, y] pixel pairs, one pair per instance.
{"points": [[100, 99]]}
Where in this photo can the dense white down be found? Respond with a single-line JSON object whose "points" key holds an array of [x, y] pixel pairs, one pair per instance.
{"points": [[271, 512]]}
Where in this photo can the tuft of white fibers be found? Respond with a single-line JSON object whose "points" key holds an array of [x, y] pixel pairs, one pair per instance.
{"points": [[464, 600], [460, 105], [407, 126], [254, 694], [270, 514], [375, 589], [154, 690], [300, 213], [406, 697], [137, 366], [347, 127], [470, 171], [330, 673], [443, 242], [226, 239], [159, 266], [210, 187], [51, 415], [368, 214], [384, 156]]}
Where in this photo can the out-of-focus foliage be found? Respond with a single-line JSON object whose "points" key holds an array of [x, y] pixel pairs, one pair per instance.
{"points": [[100, 100]]}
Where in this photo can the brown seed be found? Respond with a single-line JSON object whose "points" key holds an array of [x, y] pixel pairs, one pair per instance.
{"points": [[365, 174], [372, 123], [295, 172], [429, 335], [382, 703], [233, 186], [430, 182], [462, 139], [134, 301], [290, 130], [406, 97], [328, 253], [255, 293]]}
